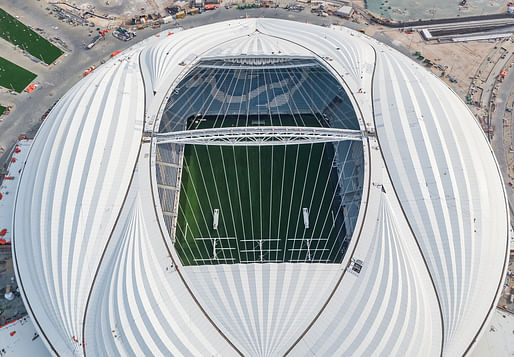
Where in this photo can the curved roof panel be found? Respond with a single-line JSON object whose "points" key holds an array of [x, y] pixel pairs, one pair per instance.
{"points": [[73, 185], [141, 306], [450, 188]]}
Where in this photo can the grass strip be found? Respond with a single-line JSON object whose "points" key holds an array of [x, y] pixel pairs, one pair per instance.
{"points": [[14, 77], [20, 35]]}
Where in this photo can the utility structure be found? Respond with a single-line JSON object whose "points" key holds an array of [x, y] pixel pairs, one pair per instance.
{"points": [[258, 135]]}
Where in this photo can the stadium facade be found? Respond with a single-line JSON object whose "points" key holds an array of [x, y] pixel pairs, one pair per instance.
{"points": [[260, 187]]}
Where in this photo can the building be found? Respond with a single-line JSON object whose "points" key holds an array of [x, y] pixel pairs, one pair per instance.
{"points": [[344, 11], [408, 233]]}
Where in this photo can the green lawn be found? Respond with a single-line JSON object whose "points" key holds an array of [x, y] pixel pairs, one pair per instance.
{"points": [[2, 109], [17, 33], [260, 193], [14, 77]]}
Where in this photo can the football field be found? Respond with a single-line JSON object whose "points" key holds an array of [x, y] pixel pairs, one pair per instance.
{"points": [[260, 193]]}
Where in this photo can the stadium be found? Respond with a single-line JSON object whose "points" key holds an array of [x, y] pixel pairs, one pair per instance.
{"points": [[260, 187]]}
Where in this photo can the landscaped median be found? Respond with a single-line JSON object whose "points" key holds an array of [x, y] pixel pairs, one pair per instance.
{"points": [[14, 77], [18, 34]]}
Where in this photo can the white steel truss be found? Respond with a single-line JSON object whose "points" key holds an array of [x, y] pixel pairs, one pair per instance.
{"points": [[258, 136]]}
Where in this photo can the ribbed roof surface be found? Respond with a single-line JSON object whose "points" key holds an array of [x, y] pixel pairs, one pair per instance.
{"points": [[99, 272], [73, 186]]}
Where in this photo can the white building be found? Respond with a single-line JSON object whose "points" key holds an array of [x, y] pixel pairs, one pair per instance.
{"points": [[344, 11], [94, 243]]}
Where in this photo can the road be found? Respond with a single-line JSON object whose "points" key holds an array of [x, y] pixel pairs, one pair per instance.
{"points": [[495, 71], [504, 91]]}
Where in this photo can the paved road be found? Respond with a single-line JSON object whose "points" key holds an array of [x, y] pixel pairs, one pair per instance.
{"points": [[504, 92], [491, 79]]}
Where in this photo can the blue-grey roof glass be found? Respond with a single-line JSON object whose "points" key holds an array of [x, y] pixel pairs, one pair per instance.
{"points": [[242, 88]]}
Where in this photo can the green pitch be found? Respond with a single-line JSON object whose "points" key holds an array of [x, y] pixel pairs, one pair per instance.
{"points": [[18, 34], [14, 77], [260, 193]]}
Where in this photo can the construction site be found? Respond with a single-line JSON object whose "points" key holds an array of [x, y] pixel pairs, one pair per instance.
{"points": [[474, 57]]}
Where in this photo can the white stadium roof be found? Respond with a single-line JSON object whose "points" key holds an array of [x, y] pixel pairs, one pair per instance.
{"points": [[97, 266]]}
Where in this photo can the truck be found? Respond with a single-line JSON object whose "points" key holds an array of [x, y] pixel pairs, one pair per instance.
{"points": [[94, 41], [121, 34], [89, 70], [167, 19]]}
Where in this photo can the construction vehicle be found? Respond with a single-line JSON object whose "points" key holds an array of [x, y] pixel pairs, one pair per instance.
{"points": [[89, 70], [167, 19], [121, 34], [97, 38], [94, 41]]}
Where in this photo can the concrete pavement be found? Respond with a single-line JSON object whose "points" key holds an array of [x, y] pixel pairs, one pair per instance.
{"points": [[488, 84], [505, 89]]}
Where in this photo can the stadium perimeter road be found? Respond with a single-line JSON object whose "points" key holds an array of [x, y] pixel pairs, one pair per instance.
{"points": [[504, 92], [58, 78]]}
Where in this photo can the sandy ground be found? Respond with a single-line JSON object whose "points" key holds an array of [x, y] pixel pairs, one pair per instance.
{"points": [[405, 10], [461, 59], [123, 8]]}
